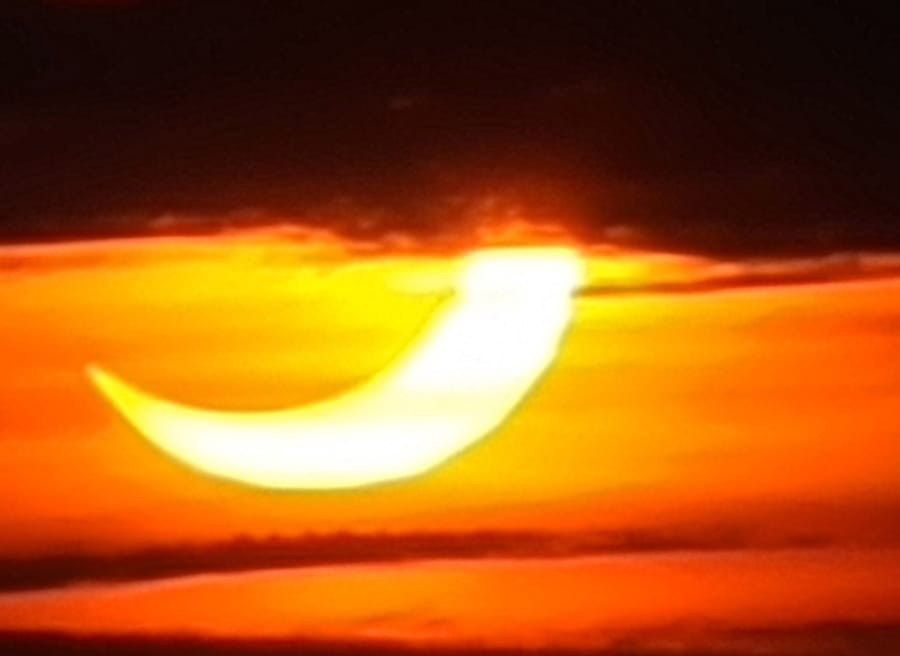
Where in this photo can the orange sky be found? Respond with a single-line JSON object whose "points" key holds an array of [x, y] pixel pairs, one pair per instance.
{"points": [[662, 407]]}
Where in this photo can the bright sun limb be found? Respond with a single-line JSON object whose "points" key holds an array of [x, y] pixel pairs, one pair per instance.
{"points": [[459, 380]]}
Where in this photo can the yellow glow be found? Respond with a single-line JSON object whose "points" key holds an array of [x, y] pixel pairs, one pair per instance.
{"points": [[460, 379]]}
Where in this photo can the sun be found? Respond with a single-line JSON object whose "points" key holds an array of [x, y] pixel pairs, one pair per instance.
{"points": [[460, 379]]}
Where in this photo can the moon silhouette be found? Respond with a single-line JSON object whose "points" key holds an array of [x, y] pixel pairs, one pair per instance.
{"points": [[461, 377]]}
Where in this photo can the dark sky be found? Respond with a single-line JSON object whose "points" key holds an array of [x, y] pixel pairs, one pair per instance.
{"points": [[744, 127]]}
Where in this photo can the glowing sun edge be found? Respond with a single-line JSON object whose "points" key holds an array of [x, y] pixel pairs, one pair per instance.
{"points": [[459, 380]]}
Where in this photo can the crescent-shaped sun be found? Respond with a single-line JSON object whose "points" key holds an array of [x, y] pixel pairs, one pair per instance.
{"points": [[461, 377]]}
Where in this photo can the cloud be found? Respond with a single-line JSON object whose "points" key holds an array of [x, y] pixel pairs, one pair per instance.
{"points": [[615, 266], [822, 639], [248, 554], [700, 275]]}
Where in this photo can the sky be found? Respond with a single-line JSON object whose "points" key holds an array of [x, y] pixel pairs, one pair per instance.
{"points": [[249, 206], [707, 421], [748, 128], [743, 384]]}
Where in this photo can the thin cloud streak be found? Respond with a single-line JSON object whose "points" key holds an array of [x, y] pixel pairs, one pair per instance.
{"points": [[823, 639], [614, 269], [244, 554]]}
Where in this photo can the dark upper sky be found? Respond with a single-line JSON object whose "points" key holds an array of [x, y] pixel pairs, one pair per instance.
{"points": [[740, 127]]}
